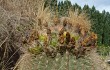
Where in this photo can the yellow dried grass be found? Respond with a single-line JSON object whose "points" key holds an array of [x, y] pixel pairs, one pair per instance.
{"points": [[79, 22], [43, 13]]}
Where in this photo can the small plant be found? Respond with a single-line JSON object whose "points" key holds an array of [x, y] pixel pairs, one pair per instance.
{"points": [[35, 50], [42, 38]]}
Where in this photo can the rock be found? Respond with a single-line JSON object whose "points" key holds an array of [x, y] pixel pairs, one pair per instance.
{"points": [[108, 61]]}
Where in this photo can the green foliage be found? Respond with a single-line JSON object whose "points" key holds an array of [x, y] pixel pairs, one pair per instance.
{"points": [[54, 41], [35, 50], [63, 7], [42, 38], [103, 50], [76, 37]]}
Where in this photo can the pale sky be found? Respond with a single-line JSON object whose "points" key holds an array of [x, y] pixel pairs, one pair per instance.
{"points": [[99, 4]]}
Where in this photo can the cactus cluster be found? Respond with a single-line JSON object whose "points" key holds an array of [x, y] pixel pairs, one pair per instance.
{"points": [[62, 42]]}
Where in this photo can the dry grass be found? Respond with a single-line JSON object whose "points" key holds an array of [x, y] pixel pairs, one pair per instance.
{"points": [[18, 18], [16, 21], [43, 14], [25, 63], [79, 21]]}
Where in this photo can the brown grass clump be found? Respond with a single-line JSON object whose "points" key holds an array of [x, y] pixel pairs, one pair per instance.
{"points": [[16, 22], [10, 43], [94, 39], [62, 30], [61, 39], [43, 14], [65, 22], [33, 36], [56, 20], [79, 21], [90, 41], [72, 42]]}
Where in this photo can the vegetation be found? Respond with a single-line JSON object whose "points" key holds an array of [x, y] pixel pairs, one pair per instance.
{"points": [[99, 20], [40, 33]]}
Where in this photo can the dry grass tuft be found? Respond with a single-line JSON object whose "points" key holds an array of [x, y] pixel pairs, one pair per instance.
{"points": [[56, 20], [24, 63], [16, 22], [79, 21], [43, 14]]}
